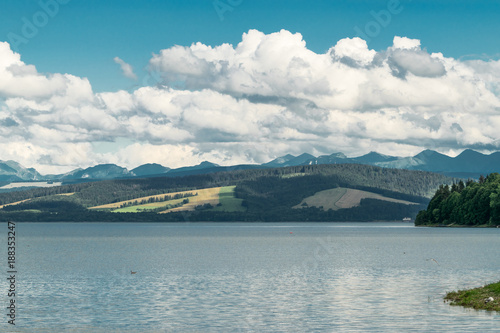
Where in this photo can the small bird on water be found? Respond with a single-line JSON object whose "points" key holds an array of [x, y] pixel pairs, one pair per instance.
{"points": [[132, 272]]}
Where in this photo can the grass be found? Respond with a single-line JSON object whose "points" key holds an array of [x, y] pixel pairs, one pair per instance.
{"points": [[325, 199], [228, 202], [340, 197], [148, 206], [476, 298]]}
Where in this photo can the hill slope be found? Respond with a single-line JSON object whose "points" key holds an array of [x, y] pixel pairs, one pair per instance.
{"points": [[258, 195]]}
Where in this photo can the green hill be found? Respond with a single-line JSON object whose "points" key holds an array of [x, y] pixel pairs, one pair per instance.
{"points": [[245, 195]]}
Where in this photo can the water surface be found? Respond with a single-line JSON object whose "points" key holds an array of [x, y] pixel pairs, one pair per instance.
{"points": [[239, 277]]}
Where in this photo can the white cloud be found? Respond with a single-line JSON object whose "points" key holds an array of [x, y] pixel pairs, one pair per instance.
{"points": [[353, 51], [127, 69], [267, 96], [20, 80], [405, 43], [279, 66]]}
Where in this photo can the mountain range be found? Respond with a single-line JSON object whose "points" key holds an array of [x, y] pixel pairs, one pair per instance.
{"points": [[469, 164]]}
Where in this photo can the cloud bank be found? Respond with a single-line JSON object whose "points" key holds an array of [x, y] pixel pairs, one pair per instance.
{"points": [[265, 97]]}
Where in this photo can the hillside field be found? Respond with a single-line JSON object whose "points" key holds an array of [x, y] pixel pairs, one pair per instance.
{"points": [[340, 197], [220, 198]]}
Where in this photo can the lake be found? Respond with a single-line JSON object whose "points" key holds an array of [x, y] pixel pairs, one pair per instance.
{"points": [[247, 277]]}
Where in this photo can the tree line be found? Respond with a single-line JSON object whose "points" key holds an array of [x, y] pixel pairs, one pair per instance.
{"points": [[469, 204]]}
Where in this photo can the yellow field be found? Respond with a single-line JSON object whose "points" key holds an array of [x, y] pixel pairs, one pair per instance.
{"points": [[340, 197], [18, 202], [14, 203], [115, 205], [205, 196]]}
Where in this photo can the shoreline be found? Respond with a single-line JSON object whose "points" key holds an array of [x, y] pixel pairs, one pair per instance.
{"points": [[453, 225], [481, 298]]}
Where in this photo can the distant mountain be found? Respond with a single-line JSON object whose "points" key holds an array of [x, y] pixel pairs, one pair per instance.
{"points": [[335, 158], [149, 169], [207, 167], [427, 160], [477, 162], [371, 158], [299, 159], [66, 176], [289, 160], [194, 169], [280, 161], [430, 160], [469, 164], [112, 171], [101, 171], [374, 157], [13, 171]]}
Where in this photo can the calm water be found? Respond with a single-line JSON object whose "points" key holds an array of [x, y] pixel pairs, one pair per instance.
{"points": [[215, 277]]}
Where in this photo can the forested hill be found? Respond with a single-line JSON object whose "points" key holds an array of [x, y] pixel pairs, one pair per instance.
{"points": [[262, 194], [417, 183], [467, 204]]}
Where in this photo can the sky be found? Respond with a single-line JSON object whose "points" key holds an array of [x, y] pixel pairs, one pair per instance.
{"points": [[86, 82]]}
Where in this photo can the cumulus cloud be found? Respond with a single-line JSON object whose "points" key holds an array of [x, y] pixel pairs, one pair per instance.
{"points": [[275, 65], [279, 66], [353, 52], [127, 69], [267, 96], [23, 81]]}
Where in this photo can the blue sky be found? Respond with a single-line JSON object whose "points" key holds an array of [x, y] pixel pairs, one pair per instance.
{"points": [[424, 75]]}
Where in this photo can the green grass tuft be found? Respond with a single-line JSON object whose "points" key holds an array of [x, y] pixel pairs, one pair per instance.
{"points": [[476, 298]]}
